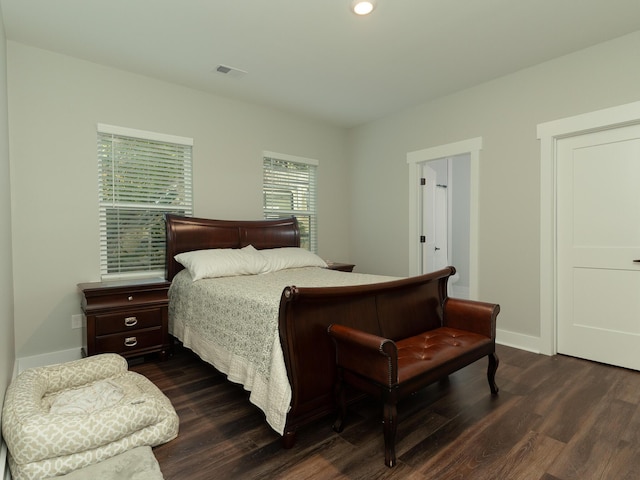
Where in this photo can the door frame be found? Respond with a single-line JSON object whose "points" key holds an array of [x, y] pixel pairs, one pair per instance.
{"points": [[548, 134], [415, 160]]}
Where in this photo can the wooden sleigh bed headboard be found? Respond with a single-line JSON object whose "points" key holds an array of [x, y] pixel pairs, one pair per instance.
{"points": [[185, 234]]}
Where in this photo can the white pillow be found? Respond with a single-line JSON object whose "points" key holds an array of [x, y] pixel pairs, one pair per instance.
{"points": [[222, 262], [290, 257]]}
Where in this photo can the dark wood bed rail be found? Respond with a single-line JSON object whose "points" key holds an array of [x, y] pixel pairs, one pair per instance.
{"points": [[391, 309]]}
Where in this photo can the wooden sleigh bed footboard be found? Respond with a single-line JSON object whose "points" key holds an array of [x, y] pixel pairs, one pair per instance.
{"points": [[393, 309]]}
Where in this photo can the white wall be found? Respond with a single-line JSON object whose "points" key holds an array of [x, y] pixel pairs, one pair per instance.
{"points": [[7, 352], [504, 113], [55, 102]]}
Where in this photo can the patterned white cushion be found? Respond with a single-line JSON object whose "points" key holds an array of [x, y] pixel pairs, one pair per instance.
{"points": [[44, 444], [136, 464]]}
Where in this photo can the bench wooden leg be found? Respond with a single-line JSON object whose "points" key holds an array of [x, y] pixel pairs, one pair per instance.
{"points": [[341, 401], [491, 372], [390, 428]]}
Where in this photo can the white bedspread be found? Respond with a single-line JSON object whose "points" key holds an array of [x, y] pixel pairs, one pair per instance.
{"points": [[232, 323]]}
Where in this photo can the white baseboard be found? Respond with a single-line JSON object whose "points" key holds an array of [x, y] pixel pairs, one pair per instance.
{"points": [[50, 358], [518, 340], [4, 467]]}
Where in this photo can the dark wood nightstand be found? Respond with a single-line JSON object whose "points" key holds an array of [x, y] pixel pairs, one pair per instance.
{"points": [[126, 317], [343, 267]]}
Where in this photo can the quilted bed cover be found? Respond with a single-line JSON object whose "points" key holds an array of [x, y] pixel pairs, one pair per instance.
{"points": [[232, 323]]}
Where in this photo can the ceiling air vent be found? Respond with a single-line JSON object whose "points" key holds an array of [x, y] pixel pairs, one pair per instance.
{"points": [[229, 71]]}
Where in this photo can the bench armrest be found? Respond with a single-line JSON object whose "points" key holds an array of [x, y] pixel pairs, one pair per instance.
{"points": [[365, 354], [472, 316]]}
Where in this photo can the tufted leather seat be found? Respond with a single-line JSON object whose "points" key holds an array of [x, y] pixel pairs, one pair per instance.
{"points": [[434, 349], [392, 370]]}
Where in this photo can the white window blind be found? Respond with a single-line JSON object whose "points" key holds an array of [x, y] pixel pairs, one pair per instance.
{"points": [[141, 176], [289, 188]]}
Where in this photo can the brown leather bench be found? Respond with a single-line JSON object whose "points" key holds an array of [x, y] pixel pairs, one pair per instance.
{"points": [[393, 368]]}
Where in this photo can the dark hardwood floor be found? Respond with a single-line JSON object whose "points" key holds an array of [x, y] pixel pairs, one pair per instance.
{"points": [[556, 418]]}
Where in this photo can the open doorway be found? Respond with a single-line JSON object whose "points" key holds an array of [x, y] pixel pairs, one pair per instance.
{"points": [[445, 219], [443, 209]]}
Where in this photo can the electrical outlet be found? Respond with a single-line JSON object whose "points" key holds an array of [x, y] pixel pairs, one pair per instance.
{"points": [[76, 321]]}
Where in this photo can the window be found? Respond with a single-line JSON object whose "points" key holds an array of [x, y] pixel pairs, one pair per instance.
{"points": [[141, 175], [289, 188]]}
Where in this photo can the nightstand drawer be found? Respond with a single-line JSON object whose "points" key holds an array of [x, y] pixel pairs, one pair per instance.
{"points": [[130, 341], [116, 299], [128, 321]]}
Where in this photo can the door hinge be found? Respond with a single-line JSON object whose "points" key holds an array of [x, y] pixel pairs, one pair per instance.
{"points": [[423, 239], [423, 181]]}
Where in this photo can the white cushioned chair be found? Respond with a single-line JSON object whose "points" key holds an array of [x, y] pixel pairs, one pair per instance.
{"points": [[60, 418]]}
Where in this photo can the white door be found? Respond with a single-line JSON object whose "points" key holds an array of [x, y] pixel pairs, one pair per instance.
{"points": [[429, 218], [598, 246], [435, 225]]}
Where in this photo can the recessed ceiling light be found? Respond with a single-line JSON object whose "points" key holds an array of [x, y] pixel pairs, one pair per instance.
{"points": [[363, 7]]}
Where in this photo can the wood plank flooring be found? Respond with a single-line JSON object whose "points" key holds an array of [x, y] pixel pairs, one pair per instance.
{"points": [[556, 418]]}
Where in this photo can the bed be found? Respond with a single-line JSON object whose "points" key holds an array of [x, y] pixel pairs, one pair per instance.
{"points": [[267, 328]]}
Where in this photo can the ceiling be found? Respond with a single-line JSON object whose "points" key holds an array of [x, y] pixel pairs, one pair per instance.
{"points": [[315, 57]]}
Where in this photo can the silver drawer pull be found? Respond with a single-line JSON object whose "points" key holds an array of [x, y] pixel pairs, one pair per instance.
{"points": [[130, 342], [130, 321], [130, 297]]}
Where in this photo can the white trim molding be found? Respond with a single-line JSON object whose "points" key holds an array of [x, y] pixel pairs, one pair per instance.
{"points": [[154, 136], [518, 340], [50, 358], [5, 474], [290, 158], [548, 134], [415, 160], [4, 466]]}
